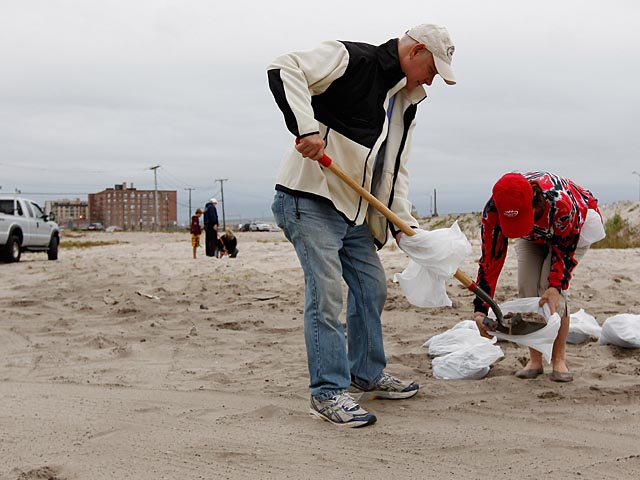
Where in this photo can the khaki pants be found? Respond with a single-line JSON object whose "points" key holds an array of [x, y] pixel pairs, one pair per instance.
{"points": [[534, 266]]}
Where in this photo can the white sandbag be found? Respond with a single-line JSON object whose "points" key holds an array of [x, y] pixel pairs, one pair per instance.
{"points": [[541, 340], [469, 324], [469, 364], [434, 258], [582, 327], [622, 330], [460, 337], [421, 287]]}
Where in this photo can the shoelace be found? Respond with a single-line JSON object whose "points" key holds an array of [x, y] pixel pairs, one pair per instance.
{"points": [[346, 401], [388, 380]]}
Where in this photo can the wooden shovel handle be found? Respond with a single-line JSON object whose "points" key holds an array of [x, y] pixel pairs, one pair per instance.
{"points": [[462, 277], [377, 204]]}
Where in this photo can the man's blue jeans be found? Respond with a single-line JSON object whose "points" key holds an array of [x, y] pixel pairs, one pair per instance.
{"points": [[329, 249]]}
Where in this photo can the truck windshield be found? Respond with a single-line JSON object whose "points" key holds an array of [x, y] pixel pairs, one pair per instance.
{"points": [[37, 211]]}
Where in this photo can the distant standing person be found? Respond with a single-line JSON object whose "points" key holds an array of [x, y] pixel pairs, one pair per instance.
{"points": [[228, 245], [211, 227], [196, 231]]}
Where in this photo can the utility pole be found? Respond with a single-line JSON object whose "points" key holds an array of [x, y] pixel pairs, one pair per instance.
{"points": [[190, 211], [638, 174], [222, 180], [155, 195]]}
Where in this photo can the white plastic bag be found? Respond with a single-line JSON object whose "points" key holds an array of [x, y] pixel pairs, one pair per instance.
{"points": [[622, 330], [469, 364], [468, 324], [592, 229], [541, 340], [460, 337], [582, 327], [434, 258]]}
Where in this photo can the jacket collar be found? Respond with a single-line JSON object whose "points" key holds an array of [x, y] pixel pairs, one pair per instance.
{"points": [[389, 61], [396, 80]]}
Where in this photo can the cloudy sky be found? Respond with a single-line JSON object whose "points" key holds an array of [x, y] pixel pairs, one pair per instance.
{"points": [[94, 92]]}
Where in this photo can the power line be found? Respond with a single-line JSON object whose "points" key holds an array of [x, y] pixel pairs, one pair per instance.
{"points": [[184, 184], [166, 182]]}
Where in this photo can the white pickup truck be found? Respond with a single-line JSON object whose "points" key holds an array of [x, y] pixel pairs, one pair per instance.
{"points": [[25, 227]]}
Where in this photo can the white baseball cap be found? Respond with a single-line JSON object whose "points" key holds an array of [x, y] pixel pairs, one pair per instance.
{"points": [[438, 42], [213, 200]]}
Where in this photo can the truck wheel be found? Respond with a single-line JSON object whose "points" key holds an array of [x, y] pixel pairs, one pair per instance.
{"points": [[12, 249], [52, 253]]}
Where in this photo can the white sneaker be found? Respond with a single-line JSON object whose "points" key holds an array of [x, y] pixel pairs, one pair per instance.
{"points": [[341, 410], [388, 387]]}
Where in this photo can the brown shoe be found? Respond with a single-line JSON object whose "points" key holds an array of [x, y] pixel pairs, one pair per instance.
{"points": [[563, 377], [529, 373]]}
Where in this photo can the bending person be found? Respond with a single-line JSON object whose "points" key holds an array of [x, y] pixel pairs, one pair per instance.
{"points": [[554, 221], [228, 245]]}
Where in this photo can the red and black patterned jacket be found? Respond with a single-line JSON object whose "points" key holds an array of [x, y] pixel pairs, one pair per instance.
{"points": [[559, 227]]}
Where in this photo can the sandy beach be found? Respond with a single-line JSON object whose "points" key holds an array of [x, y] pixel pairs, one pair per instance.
{"points": [[132, 360]]}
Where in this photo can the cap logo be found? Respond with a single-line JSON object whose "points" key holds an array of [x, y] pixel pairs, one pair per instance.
{"points": [[511, 213], [450, 51]]}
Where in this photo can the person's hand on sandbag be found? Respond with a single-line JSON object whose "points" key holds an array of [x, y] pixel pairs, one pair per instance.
{"points": [[552, 298]]}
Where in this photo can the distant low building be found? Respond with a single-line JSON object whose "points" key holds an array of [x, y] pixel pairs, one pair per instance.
{"points": [[133, 209], [69, 213]]}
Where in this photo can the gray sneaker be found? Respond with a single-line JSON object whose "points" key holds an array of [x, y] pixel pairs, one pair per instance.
{"points": [[341, 410], [387, 387]]}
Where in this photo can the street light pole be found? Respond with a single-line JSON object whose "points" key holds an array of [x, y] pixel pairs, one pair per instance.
{"points": [[638, 174]]}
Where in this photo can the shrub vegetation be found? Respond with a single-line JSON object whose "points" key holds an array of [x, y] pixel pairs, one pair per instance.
{"points": [[620, 234]]}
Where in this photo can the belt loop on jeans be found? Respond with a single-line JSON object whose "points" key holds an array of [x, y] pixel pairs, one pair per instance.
{"points": [[295, 199]]}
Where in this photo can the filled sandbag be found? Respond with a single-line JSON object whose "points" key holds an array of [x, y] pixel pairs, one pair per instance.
{"points": [[472, 363], [582, 327], [622, 330], [463, 335]]}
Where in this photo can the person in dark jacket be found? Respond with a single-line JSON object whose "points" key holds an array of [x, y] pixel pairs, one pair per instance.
{"points": [[228, 245], [211, 227]]}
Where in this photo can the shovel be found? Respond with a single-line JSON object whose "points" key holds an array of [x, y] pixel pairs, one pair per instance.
{"points": [[515, 325]]}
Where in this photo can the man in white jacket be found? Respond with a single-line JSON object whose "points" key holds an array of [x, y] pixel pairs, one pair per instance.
{"points": [[357, 103]]}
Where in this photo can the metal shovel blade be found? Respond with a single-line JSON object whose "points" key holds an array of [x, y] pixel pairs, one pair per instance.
{"points": [[516, 325]]}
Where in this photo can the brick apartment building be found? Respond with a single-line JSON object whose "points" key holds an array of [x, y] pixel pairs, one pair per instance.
{"points": [[133, 209], [69, 213]]}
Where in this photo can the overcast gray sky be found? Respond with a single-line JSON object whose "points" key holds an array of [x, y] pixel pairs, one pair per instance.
{"points": [[94, 92]]}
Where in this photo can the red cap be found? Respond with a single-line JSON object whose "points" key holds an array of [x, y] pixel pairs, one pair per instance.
{"points": [[513, 196]]}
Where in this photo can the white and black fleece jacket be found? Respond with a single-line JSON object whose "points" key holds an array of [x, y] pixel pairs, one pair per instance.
{"points": [[341, 90]]}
